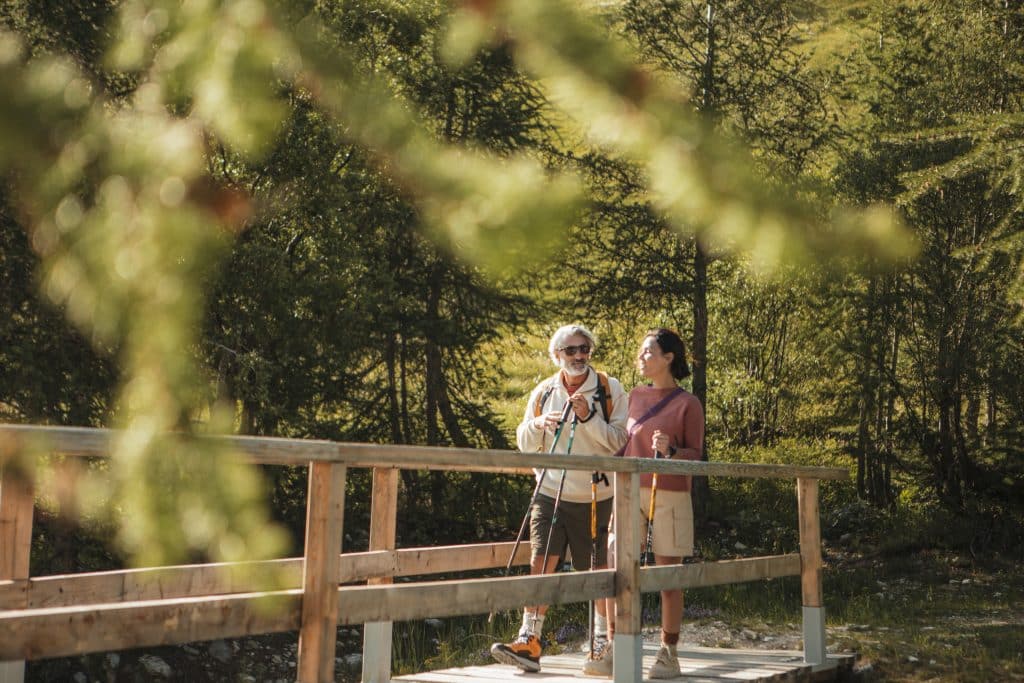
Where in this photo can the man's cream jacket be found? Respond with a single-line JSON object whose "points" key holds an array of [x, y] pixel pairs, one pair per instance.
{"points": [[592, 437]]}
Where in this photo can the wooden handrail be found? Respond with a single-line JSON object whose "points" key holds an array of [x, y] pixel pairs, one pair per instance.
{"points": [[102, 611], [221, 578], [65, 631], [84, 441]]}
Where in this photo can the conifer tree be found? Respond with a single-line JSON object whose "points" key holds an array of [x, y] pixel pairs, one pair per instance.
{"points": [[134, 177], [945, 317]]}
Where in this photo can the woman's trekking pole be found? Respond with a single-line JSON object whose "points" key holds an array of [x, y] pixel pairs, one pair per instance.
{"points": [[533, 498], [647, 557], [558, 496]]}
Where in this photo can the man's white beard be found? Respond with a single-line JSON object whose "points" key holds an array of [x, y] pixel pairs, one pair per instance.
{"points": [[569, 369]]}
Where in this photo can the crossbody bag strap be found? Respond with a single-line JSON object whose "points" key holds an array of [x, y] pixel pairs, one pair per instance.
{"points": [[651, 412]]}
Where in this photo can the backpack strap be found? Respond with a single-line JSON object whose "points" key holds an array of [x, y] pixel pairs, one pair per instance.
{"points": [[603, 394], [538, 406]]}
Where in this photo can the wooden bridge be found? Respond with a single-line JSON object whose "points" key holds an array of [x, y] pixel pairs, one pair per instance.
{"points": [[57, 616]]}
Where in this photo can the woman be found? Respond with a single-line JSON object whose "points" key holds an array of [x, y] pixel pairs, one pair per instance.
{"points": [[666, 420]]}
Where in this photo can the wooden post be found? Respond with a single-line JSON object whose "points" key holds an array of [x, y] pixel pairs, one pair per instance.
{"points": [[629, 647], [383, 521], [325, 503], [810, 571], [16, 497]]}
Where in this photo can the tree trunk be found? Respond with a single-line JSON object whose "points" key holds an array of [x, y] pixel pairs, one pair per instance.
{"points": [[433, 363], [948, 408], [404, 388], [972, 418], [866, 387], [701, 488], [863, 440], [963, 451], [879, 493], [990, 414], [391, 360]]}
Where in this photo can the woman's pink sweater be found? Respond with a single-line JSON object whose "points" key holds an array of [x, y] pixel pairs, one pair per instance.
{"points": [[682, 419]]}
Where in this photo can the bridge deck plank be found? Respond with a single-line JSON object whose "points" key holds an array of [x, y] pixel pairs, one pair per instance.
{"points": [[698, 665]]}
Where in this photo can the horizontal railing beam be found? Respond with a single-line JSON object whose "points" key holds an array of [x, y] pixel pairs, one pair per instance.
{"points": [[14, 593], [66, 631], [704, 574], [402, 602], [217, 579], [158, 583], [70, 630], [275, 451]]}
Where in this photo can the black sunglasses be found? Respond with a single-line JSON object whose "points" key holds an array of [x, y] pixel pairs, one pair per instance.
{"points": [[573, 350]]}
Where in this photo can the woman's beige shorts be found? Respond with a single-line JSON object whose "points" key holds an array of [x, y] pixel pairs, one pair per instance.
{"points": [[673, 522]]}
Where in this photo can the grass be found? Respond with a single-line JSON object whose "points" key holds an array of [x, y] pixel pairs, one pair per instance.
{"points": [[931, 616]]}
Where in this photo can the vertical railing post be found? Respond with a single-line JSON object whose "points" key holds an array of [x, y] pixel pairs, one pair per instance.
{"points": [[383, 521], [810, 571], [16, 496], [318, 633], [629, 647]]}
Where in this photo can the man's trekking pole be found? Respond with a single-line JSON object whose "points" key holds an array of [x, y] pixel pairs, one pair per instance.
{"points": [[594, 478], [558, 496], [536, 492], [647, 554]]}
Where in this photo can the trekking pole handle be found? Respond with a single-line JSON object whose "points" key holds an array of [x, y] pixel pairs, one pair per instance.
{"points": [[565, 412], [649, 541]]}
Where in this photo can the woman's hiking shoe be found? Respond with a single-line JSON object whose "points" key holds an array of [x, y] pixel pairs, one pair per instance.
{"points": [[523, 652], [666, 664], [599, 663]]}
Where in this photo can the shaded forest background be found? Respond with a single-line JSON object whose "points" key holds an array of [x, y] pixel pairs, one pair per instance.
{"points": [[338, 312]]}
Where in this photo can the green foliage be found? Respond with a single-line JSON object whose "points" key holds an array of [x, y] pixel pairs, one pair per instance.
{"points": [[931, 338], [48, 371], [765, 338], [231, 201], [761, 514]]}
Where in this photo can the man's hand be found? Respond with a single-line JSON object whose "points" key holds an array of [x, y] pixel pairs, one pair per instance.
{"points": [[580, 406], [548, 421]]}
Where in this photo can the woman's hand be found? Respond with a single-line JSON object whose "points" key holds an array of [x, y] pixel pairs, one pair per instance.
{"points": [[660, 442]]}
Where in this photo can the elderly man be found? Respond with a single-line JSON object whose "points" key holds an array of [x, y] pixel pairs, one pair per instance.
{"points": [[597, 403]]}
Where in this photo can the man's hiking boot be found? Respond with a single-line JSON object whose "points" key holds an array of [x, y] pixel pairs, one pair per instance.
{"points": [[666, 665], [523, 652], [599, 663]]}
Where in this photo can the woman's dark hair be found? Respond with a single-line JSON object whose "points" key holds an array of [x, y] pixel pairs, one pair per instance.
{"points": [[670, 342]]}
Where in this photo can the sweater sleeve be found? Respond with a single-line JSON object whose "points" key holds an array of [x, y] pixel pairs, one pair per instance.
{"points": [[529, 438], [610, 435], [693, 431]]}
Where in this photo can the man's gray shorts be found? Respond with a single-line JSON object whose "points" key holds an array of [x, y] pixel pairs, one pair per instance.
{"points": [[572, 530]]}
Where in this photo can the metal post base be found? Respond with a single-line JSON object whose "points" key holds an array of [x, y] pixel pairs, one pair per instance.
{"points": [[377, 652], [12, 672], [628, 660], [814, 635]]}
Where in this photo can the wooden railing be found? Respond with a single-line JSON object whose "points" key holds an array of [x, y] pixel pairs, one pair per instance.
{"points": [[56, 616]]}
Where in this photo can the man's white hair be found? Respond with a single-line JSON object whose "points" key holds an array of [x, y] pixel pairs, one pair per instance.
{"points": [[563, 333]]}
